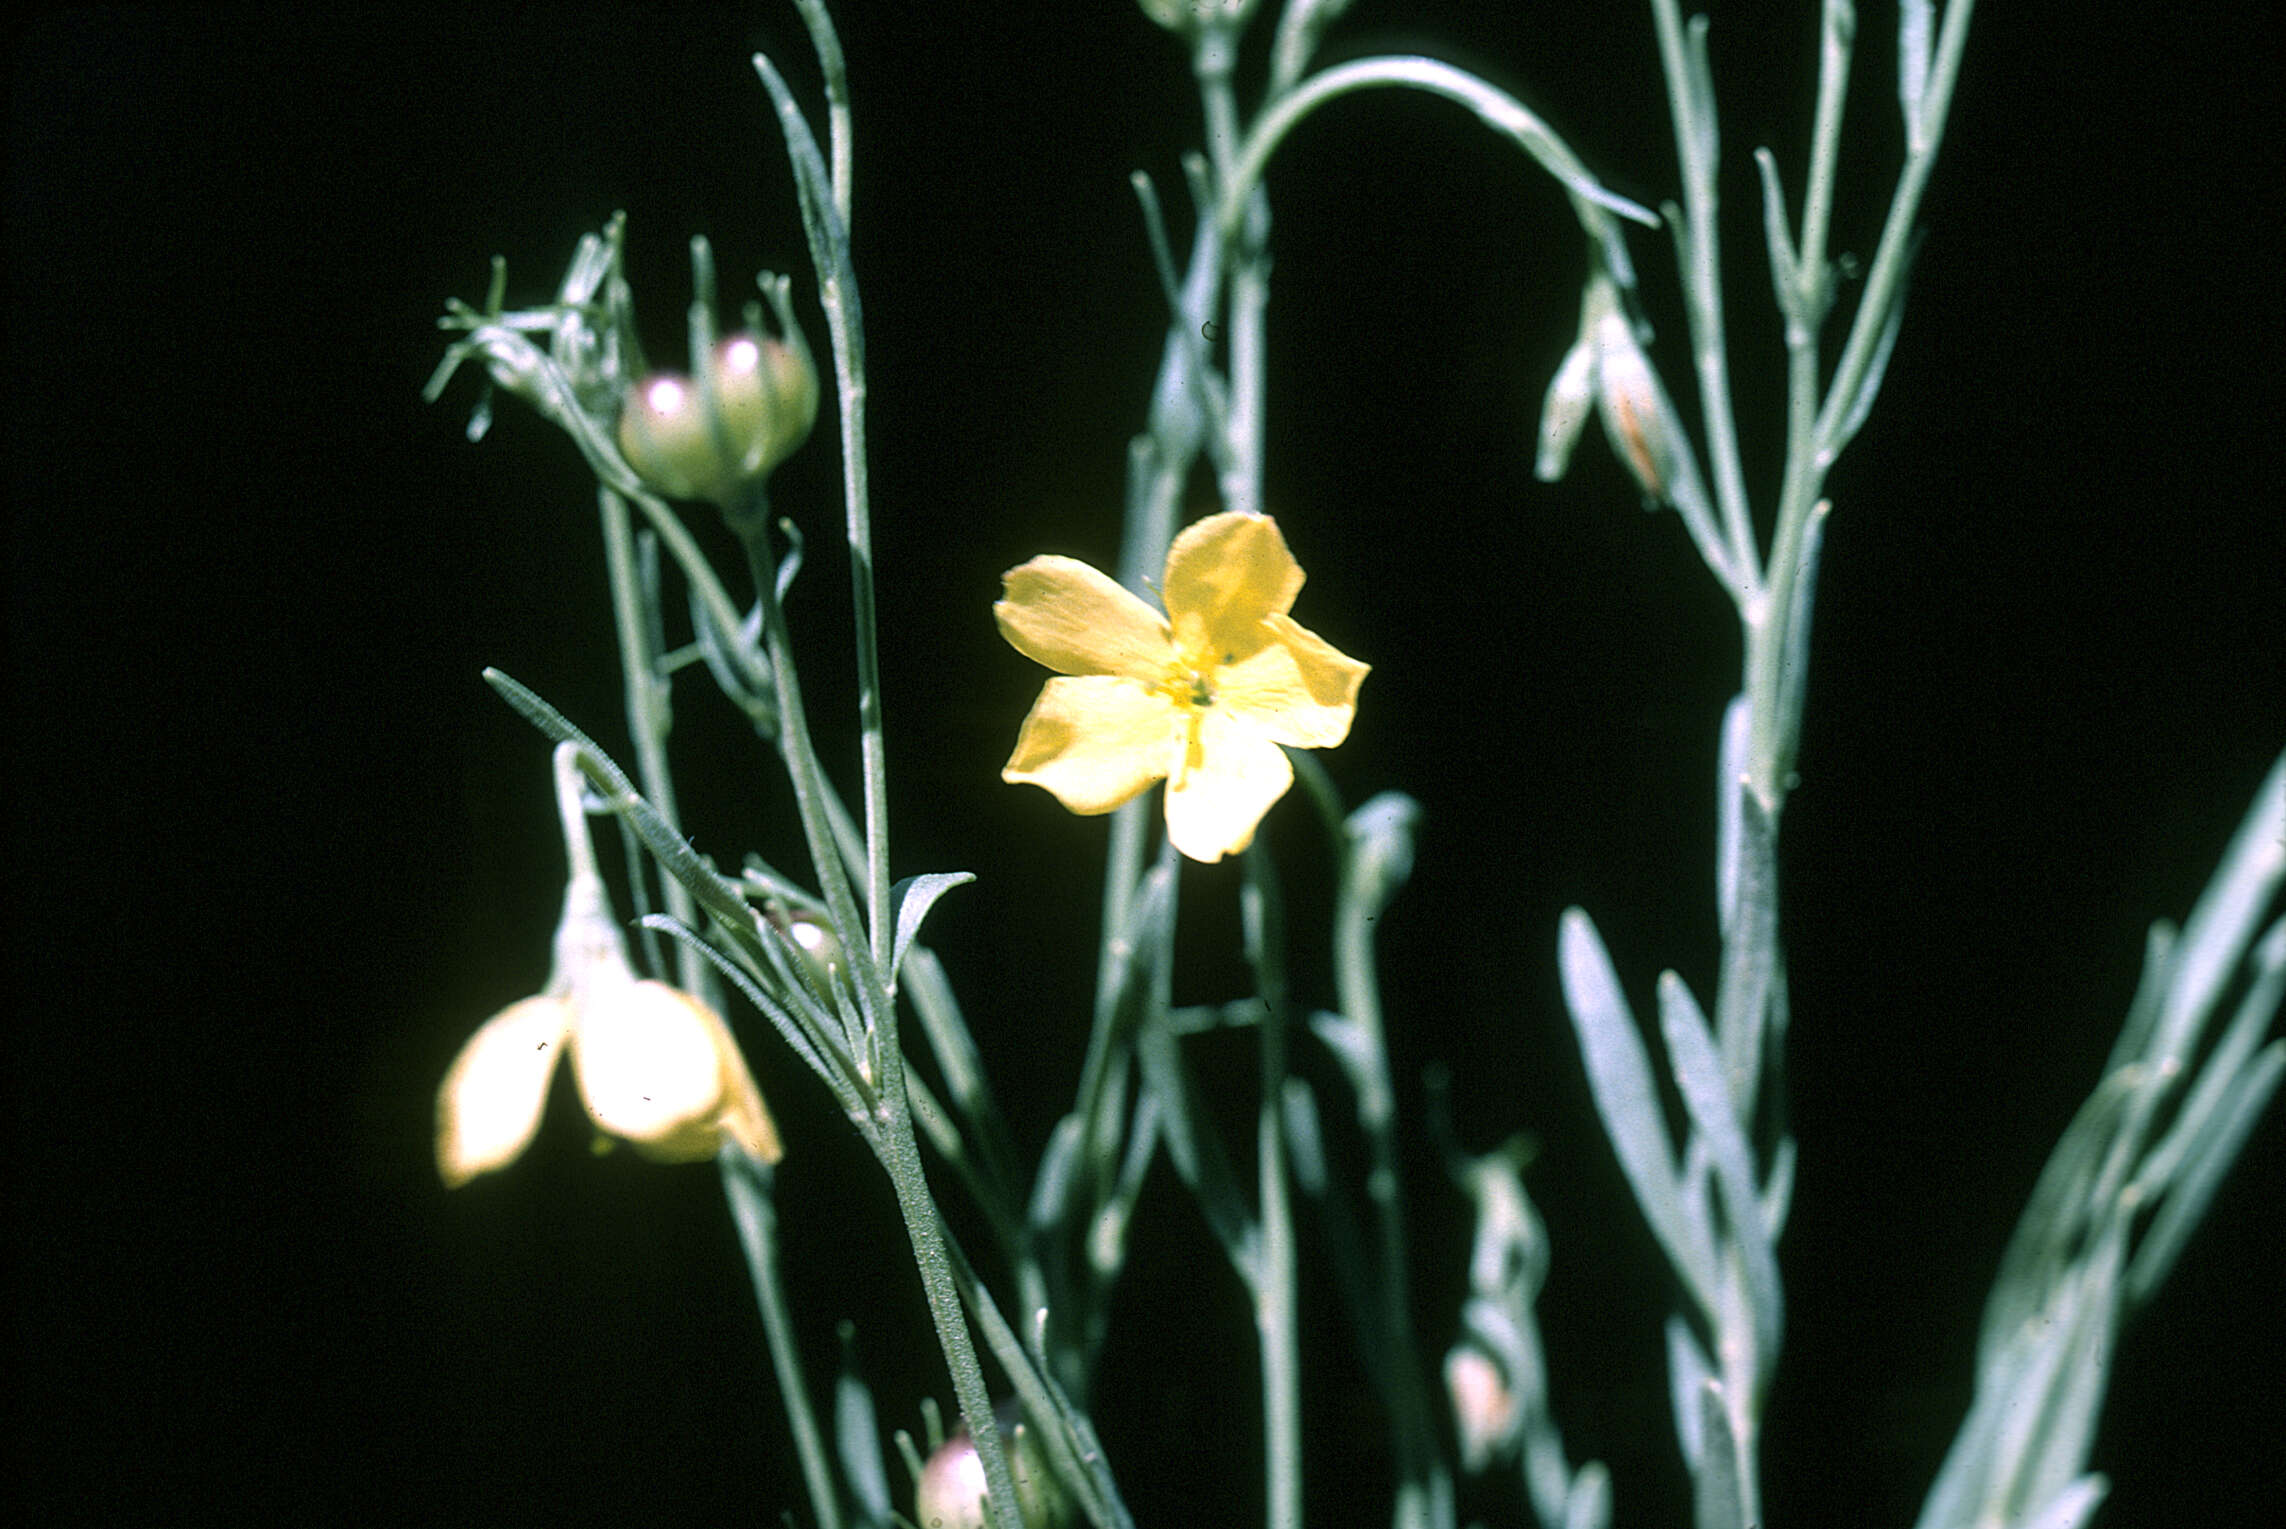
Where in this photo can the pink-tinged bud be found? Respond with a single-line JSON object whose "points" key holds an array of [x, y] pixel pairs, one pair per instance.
{"points": [[1484, 1406], [951, 1492]]}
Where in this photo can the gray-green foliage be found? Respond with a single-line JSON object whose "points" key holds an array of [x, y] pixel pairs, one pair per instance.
{"points": [[2125, 1188]]}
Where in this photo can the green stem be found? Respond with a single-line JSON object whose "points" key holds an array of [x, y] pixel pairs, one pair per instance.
{"points": [[890, 1128], [1424, 1491], [1248, 275], [649, 718], [900, 1154], [747, 1183], [1276, 1310], [750, 520], [1497, 109], [1276, 1315], [1698, 148], [1777, 725]]}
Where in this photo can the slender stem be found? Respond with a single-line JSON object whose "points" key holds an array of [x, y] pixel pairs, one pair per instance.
{"points": [[1249, 273], [1497, 109], [750, 521], [571, 811], [900, 1154], [1777, 726], [890, 1130], [704, 582], [1424, 1492], [1837, 34], [649, 718], [828, 231], [747, 1183], [849, 367], [827, 42], [1276, 1312]]}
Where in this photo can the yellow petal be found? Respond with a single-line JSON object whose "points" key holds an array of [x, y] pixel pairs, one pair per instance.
{"points": [[489, 1105], [1062, 613], [1233, 777], [649, 1069], [1096, 741], [1299, 690], [1224, 575], [745, 1119]]}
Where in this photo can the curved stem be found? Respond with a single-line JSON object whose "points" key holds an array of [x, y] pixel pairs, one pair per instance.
{"points": [[1497, 109]]}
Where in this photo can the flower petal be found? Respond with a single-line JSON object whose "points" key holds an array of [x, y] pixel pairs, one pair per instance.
{"points": [[649, 1069], [1234, 776], [488, 1108], [1060, 612], [1095, 741], [745, 1119], [1300, 690], [1224, 575]]}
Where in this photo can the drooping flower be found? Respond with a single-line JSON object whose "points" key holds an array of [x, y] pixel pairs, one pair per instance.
{"points": [[656, 1067], [1201, 697]]}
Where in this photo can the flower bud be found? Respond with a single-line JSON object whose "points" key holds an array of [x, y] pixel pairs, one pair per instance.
{"points": [[819, 945], [1564, 413], [765, 401], [1484, 1406], [951, 1492]]}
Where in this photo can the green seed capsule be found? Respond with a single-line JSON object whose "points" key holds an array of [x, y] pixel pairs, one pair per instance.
{"points": [[765, 401]]}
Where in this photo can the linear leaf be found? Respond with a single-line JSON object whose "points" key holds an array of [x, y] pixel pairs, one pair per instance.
{"points": [[2072, 1506], [1688, 1373], [2220, 928], [1698, 1073], [2203, 1171], [1590, 1504], [1619, 1077], [1716, 1479]]}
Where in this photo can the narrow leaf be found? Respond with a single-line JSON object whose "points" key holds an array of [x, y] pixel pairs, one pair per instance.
{"points": [[1785, 264], [1198, 1154], [913, 898], [1778, 1188], [1619, 1077], [2150, 997], [2203, 1171], [2223, 1067], [1590, 1503], [1869, 383], [1689, 1372], [1914, 25], [2220, 928], [1715, 1482], [2071, 1507], [857, 1436], [1706, 1096]]}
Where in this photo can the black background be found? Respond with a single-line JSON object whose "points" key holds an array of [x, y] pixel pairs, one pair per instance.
{"points": [[276, 850]]}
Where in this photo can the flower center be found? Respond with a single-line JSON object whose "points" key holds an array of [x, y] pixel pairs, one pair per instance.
{"points": [[1188, 686]]}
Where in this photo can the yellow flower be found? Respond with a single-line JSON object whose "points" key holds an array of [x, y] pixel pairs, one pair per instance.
{"points": [[655, 1066], [1201, 697]]}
